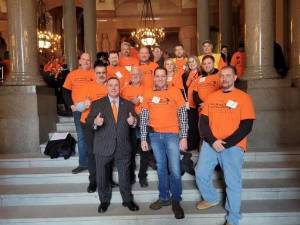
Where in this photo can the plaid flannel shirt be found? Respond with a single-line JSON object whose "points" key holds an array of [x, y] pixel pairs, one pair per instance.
{"points": [[183, 123]]}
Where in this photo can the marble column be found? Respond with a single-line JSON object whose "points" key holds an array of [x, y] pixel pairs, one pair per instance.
{"points": [[202, 23], [89, 18], [277, 104], [280, 27], [225, 22], [70, 33], [28, 107], [23, 43], [259, 39], [294, 11]]}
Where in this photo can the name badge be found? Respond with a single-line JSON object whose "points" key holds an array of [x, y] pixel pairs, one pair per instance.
{"points": [[155, 99], [202, 79], [128, 68], [119, 74], [169, 79], [231, 104], [141, 99]]}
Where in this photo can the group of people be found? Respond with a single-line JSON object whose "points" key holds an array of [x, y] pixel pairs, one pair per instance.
{"points": [[54, 66], [160, 108]]}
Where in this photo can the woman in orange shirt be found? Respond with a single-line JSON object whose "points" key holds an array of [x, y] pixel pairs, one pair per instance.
{"points": [[173, 78], [192, 72]]}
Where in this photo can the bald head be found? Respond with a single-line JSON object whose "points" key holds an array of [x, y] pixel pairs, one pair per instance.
{"points": [[135, 75], [85, 61]]}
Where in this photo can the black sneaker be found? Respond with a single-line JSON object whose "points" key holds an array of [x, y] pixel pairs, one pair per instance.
{"points": [[159, 204], [178, 211], [79, 169], [91, 188]]}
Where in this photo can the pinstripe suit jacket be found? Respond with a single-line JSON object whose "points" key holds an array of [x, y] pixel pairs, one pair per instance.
{"points": [[111, 138]]}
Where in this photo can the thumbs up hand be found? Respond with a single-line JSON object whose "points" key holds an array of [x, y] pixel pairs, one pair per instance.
{"points": [[99, 120], [87, 103], [135, 101], [131, 120]]}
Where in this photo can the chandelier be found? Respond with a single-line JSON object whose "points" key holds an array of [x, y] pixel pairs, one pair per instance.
{"points": [[147, 34], [47, 41]]}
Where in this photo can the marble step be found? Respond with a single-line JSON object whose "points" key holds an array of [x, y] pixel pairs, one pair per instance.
{"points": [[66, 194], [65, 119], [258, 212], [40, 160], [53, 175], [253, 154], [74, 134], [65, 127]]}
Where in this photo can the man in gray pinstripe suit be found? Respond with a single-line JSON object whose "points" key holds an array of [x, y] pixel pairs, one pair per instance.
{"points": [[111, 117]]}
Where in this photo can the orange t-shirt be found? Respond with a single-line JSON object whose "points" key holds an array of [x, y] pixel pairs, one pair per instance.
{"points": [[191, 83], [175, 81], [225, 112], [222, 63], [148, 73], [119, 72], [134, 53], [130, 92], [163, 106], [207, 85], [48, 67], [76, 80], [128, 62], [93, 91], [180, 64], [56, 66], [238, 60]]}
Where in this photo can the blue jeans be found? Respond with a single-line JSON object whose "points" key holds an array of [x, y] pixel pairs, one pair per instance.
{"points": [[231, 161], [81, 142], [166, 152]]}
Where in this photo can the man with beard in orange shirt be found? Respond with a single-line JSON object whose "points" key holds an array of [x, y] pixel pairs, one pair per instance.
{"points": [[125, 59], [227, 119], [146, 67], [115, 70], [180, 59], [92, 92], [208, 82]]}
